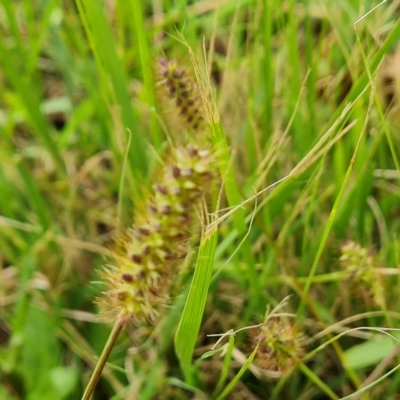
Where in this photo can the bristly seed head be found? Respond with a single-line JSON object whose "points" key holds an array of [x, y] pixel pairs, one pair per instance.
{"points": [[182, 90], [360, 263], [279, 345], [141, 285]]}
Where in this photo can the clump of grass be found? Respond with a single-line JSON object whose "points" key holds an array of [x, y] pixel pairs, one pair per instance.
{"points": [[360, 263]]}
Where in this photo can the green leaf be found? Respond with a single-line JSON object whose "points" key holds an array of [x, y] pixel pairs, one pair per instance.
{"points": [[189, 325], [369, 353]]}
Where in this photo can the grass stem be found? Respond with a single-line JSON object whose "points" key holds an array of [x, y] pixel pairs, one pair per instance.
{"points": [[116, 330]]}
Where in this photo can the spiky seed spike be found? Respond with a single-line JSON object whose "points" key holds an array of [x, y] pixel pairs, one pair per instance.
{"points": [[183, 91], [361, 266], [141, 285], [279, 345]]}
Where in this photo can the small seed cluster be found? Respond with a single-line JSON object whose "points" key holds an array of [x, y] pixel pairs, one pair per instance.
{"points": [[361, 266], [279, 345], [182, 91], [141, 282]]}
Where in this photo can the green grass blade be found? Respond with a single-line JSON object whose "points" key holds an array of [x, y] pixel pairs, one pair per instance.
{"points": [[236, 379], [101, 40], [147, 69], [226, 365], [188, 329]]}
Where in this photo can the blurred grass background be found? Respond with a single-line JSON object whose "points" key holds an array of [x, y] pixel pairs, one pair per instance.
{"points": [[301, 92]]}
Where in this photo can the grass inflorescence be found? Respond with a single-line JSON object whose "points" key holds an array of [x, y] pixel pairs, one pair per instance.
{"points": [[183, 94], [141, 280]]}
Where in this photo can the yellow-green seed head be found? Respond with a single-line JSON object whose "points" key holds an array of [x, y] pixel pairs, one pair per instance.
{"points": [[360, 263], [279, 345], [140, 283]]}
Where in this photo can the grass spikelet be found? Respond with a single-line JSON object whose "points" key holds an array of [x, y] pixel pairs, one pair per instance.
{"points": [[360, 263], [140, 283], [279, 346], [181, 92]]}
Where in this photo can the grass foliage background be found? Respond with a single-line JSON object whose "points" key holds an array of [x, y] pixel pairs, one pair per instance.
{"points": [[302, 94]]}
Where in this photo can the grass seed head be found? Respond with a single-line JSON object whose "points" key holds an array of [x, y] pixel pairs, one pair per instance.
{"points": [[141, 280], [279, 345], [182, 92], [360, 263]]}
